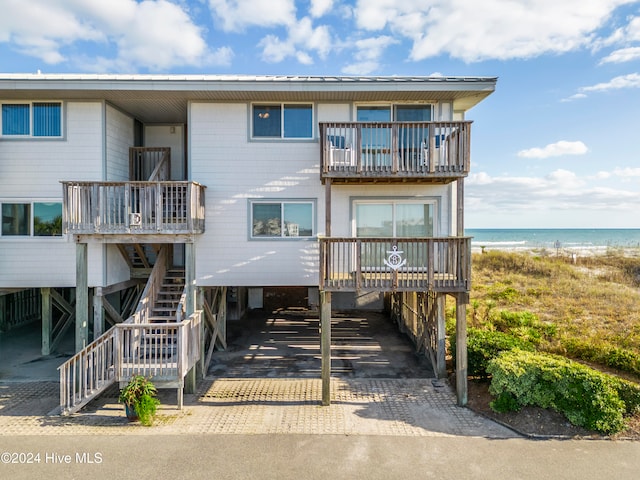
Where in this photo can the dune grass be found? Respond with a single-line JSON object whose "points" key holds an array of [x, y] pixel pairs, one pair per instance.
{"points": [[588, 310]]}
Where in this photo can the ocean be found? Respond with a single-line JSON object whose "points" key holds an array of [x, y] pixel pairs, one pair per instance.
{"points": [[571, 239]]}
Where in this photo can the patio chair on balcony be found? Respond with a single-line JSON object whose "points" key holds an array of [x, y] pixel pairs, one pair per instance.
{"points": [[340, 154], [436, 155]]}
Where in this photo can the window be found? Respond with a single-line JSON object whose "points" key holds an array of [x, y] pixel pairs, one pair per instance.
{"points": [[32, 219], [47, 219], [376, 140], [282, 219], [283, 121], [37, 119], [16, 219], [394, 219]]}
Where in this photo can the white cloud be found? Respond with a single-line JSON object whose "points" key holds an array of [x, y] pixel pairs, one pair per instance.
{"points": [[538, 201], [629, 33], [154, 35], [557, 149], [576, 96], [236, 15], [302, 38], [631, 80], [491, 29], [627, 172], [320, 7], [621, 56], [367, 55]]}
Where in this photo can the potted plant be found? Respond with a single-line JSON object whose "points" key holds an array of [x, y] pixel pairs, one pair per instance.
{"points": [[139, 398]]}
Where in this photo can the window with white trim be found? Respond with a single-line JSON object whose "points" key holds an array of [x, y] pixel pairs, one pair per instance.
{"points": [[31, 119], [37, 219], [282, 120], [282, 219]]}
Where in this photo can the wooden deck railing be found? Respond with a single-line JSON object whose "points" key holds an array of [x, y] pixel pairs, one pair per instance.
{"points": [[395, 264], [357, 150], [133, 207], [150, 163], [163, 351]]}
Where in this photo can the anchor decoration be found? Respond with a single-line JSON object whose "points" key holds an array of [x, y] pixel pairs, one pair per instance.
{"points": [[395, 260]]}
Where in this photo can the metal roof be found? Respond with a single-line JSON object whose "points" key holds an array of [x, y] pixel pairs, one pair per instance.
{"points": [[164, 98]]}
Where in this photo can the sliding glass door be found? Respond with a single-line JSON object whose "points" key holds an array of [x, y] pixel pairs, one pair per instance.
{"points": [[393, 219]]}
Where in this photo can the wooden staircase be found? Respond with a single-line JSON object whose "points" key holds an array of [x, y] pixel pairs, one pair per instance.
{"points": [[139, 257], [168, 297]]}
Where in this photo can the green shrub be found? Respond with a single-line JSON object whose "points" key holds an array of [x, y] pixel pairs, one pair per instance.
{"points": [[587, 398], [484, 345], [629, 392], [604, 354], [500, 291], [508, 319]]}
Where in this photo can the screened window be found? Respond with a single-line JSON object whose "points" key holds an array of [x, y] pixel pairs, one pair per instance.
{"points": [[37, 119], [38, 219], [283, 121], [282, 219]]}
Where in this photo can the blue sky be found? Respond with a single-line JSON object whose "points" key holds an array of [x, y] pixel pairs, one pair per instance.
{"points": [[555, 146]]}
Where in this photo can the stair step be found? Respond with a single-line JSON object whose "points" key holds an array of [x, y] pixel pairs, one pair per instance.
{"points": [[163, 309]]}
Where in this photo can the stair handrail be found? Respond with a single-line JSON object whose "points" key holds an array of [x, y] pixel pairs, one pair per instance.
{"points": [[89, 372], [151, 289], [181, 309]]}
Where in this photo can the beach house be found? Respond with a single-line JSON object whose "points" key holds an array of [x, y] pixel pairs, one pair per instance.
{"points": [[146, 211]]}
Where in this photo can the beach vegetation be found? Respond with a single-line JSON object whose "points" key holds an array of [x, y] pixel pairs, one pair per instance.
{"points": [[485, 345], [585, 308], [585, 396]]}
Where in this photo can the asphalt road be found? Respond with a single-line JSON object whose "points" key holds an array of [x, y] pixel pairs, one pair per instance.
{"points": [[284, 457]]}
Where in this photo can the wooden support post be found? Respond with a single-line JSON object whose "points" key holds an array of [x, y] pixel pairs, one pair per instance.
{"points": [[325, 345], [4, 318], [441, 365], [460, 207], [47, 320], [200, 306], [180, 397], [327, 207], [461, 349], [190, 277], [82, 296], [98, 312], [190, 381], [190, 307]]}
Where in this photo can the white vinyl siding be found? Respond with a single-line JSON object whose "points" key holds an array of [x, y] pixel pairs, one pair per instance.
{"points": [[39, 262], [236, 170], [31, 172], [119, 137], [34, 169]]}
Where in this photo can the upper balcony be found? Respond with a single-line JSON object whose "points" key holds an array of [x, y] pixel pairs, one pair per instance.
{"points": [[436, 152], [167, 208], [120, 212]]}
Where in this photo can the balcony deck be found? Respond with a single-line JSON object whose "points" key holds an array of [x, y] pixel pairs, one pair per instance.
{"points": [[161, 209], [396, 264], [434, 152]]}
